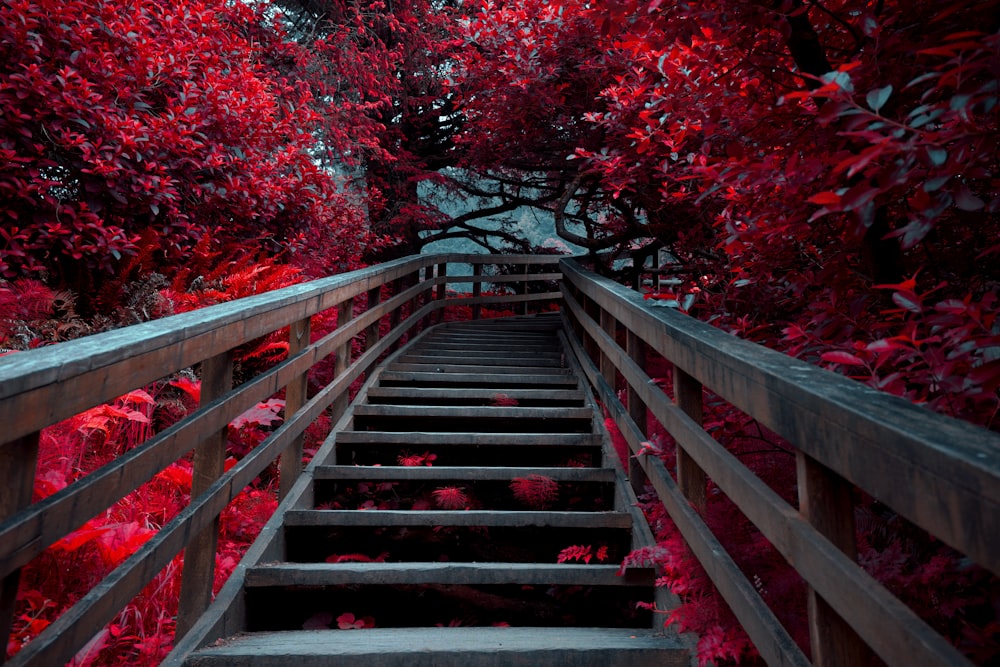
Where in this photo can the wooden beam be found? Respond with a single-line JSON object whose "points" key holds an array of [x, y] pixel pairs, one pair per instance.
{"points": [[688, 395], [290, 465], [198, 574], [18, 459]]}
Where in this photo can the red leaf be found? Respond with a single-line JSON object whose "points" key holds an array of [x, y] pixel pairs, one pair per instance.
{"points": [[907, 300], [825, 198]]}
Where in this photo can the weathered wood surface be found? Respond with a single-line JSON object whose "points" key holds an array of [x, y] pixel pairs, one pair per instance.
{"points": [[951, 468], [472, 412], [457, 473], [469, 438], [524, 378], [553, 574], [424, 395], [890, 628], [448, 647], [385, 518]]}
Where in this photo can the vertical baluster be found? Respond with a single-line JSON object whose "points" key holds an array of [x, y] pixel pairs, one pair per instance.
{"points": [[372, 331], [442, 289], [609, 325], [209, 463], [295, 397], [825, 502], [690, 477], [345, 313], [636, 348], [524, 288], [395, 316], [426, 297], [18, 458], [477, 290]]}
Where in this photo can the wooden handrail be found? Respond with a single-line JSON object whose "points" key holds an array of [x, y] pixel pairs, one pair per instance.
{"points": [[940, 473], [42, 387]]}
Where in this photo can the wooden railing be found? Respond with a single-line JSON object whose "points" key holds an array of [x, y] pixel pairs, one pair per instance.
{"points": [[941, 474], [42, 387]]}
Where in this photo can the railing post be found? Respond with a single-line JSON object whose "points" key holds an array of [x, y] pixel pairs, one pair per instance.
{"points": [[825, 502], [345, 313], [477, 290], [524, 289], [442, 290], [609, 325], [426, 297], [19, 458], [198, 574], [398, 286], [690, 477], [637, 410], [372, 331], [295, 397]]}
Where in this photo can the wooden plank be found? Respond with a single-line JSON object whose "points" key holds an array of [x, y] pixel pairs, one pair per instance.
{"points": [[521, 360], [475, 350], [691, 480], [458, 369], [421, 439], [198, 573], [512, 519], [868, 437], [472, 412], [825, 502], [459, 473], [290, 464], [499, 380], [332, 574], [345, 311], [426, 394], [448, 647], [18, 460], [510, 278]]}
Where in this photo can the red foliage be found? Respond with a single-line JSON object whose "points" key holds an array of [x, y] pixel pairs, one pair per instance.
{"points": [[199, 128], [451, 498], [536, 491]]}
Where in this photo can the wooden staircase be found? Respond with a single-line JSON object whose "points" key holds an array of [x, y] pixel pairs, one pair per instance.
{"points": [[441, 556]]}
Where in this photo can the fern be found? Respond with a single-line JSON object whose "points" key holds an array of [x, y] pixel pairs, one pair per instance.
{"points": [[536, 491]]}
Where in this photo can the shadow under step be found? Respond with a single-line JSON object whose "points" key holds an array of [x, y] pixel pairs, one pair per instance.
{"points": [[482, 397], [387, 448], [447, 647], [495, 419]]}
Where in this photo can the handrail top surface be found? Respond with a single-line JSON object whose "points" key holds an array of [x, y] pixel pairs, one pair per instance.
{"points": [[882, 415]]}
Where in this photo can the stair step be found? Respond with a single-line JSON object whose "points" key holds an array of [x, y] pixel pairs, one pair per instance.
{"points": [[375, 474], [524, 378], [486, 412], [443, 349], [422, 487], [520, 360], [450, 518], [461, 448], [446, 396], [446, 647], [330, 574], [468, 438], [439, 368]]}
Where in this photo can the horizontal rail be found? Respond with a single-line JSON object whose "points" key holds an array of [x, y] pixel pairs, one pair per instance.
{"points": [[842, 429], [43, 387]]}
